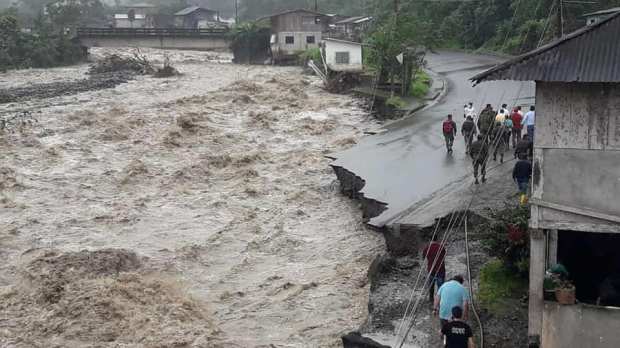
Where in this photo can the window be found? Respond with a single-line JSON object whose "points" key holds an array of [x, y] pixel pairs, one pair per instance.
{"points": [[310, 39], [342, 57], [289, 40]]}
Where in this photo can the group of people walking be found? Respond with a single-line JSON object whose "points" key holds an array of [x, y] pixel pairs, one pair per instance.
{"points": [[494, 132], [451, 302]]}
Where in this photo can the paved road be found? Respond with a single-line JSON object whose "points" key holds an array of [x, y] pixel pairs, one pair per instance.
{"points": [[407, 162]]}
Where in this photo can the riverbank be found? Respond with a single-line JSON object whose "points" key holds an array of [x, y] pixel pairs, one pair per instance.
{"points": [[215, 180]]}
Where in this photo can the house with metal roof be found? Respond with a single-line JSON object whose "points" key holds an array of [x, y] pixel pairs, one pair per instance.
{"points": [[195, 17], [595, 17], [351, 28], [295, 31], [575, 204]]}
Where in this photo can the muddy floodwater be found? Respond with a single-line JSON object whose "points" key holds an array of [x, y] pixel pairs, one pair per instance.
{"points": [[191, 211]]}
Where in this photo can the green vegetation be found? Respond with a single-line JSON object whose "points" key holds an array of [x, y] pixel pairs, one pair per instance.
{"points": [[499, 287], [506, 237], [395, 102], [421, 84], [42, 48], [511, 26], [250, 43], [311, 53]]}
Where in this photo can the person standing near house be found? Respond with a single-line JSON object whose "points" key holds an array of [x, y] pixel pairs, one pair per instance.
{"points": [[486, 120], [435, 255], [521, 174], [469, 110], [457, 332], [451, 294], [524, 148], [517, 118], [529, 120], [449, 132], [479, 152], [468, 129]]}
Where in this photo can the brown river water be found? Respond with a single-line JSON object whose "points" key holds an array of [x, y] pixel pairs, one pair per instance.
{"points": [[213, 189]]}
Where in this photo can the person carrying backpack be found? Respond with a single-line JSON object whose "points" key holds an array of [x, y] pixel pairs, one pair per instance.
{"points": [[486, 120], [468, 129], [449, 132]]}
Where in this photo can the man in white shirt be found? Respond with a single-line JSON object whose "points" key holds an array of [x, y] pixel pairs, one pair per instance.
{"points": [[469, 110], [502, 114], [530, 120]]}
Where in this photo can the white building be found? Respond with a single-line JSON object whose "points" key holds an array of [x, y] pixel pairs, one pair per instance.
{"points": [[343, 55], [121, 20]]}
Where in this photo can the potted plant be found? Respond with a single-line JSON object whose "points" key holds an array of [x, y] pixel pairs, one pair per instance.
{"points": [[565, 293], [550, 284]]}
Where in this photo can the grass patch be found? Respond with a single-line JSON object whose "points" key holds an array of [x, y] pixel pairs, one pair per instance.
{"points": [[499, 287], [420, 84], [395, 102]]}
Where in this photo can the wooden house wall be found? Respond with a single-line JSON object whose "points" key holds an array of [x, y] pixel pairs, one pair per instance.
{"points": [[294, 22], [576, 183]]}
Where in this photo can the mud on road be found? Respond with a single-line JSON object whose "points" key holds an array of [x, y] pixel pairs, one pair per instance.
{"points": [[214, 182]]}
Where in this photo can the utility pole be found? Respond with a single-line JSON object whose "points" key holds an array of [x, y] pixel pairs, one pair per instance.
{"points": [[560, 19], [236, 12]]}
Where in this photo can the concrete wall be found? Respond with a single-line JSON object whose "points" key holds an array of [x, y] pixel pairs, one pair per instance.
{"points": [[355, 52], [189, 43], [576, 181], [580, 326], [299, 44]]}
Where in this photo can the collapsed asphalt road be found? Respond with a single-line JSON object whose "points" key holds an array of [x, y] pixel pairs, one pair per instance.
{"points": [[407, 162]]}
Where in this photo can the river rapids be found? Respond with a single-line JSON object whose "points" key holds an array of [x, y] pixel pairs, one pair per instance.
{"points": [[192, 211]]}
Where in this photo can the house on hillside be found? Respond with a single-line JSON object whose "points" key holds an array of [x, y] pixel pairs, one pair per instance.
{"points": [[195, 17], [136, 16], [595, 17], [351, 28], [343, 56], [123, 20], [295, 31], [575, 205]]}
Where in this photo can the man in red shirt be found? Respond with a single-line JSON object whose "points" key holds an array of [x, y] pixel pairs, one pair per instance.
{"points": [[517, 117], [435, 255]]}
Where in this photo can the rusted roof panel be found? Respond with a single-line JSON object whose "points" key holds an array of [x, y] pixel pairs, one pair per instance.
{"points": [[591, 54]]}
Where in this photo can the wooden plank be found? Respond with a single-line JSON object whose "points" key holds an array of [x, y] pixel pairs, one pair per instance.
{"points": [[579, 226], [537, 274], [575, 210]]}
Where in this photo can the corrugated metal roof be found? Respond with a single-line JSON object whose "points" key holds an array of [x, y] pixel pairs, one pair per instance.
{"points": [[602, 12], [188, 10], [293, 11], [356, 20], [591, 54]]}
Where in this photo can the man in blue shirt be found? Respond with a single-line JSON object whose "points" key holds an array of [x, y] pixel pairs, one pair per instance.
{"points": [[530, 120], [451, 294]]}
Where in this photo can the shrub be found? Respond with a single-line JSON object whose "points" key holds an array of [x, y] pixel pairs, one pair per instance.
{"points": [[507, 239], [395, 102], [497, 285], [420, 84]]}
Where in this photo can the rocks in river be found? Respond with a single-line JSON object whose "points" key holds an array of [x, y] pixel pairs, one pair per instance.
{"points": [[58, 89], [356, 340]]}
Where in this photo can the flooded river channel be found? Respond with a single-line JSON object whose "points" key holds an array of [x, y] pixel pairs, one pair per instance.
{"points": [[215, 179]]}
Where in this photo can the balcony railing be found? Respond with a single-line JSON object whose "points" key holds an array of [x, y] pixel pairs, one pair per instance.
{"points": [[157, 32]]}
